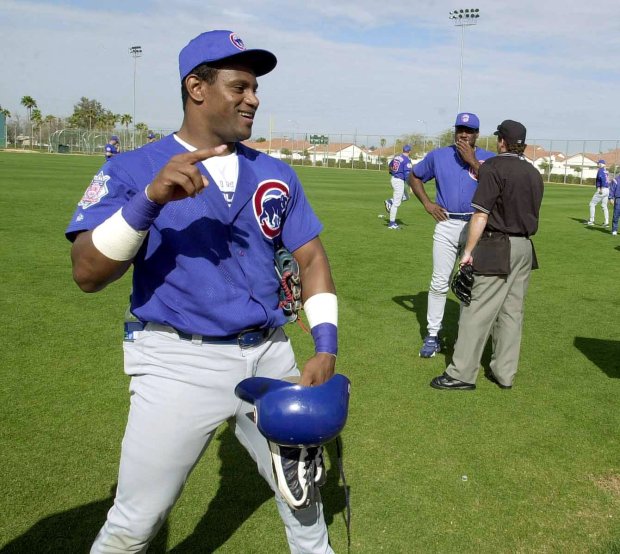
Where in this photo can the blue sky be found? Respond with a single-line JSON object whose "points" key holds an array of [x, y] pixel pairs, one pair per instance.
{"points": [[363, 67]]}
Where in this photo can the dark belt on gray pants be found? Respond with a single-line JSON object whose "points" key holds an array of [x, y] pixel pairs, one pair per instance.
{"points": [[245, 339]]}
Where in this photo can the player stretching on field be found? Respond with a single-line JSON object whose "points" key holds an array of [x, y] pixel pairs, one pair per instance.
{"points": [[399, 168], [205, 292], [455, 170]]}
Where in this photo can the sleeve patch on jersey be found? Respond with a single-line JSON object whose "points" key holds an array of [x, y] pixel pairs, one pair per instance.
{"points": [[472, 173], [269, 202], [97, 189]]}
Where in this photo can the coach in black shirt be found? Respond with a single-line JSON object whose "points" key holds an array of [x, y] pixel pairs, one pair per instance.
{"points": [[507, 205]]}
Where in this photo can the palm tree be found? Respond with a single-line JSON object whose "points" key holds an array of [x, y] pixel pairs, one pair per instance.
{"points": [[141, 128], [29, 103], [6, 113], [36, 122], [126, 120]]}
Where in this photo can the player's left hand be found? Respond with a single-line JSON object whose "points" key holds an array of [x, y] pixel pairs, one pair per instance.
{"points": [[318, 369]]}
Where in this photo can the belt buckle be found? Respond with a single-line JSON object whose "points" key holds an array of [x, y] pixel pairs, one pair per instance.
{"points": [[251, 337]]}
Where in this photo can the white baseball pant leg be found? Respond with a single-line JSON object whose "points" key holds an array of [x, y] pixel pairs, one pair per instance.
{"points": [[448, 240], [600, 198], [398, 187], [181, 392]]}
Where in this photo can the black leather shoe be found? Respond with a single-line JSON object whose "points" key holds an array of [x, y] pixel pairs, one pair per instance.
{"points": [[491, 377], [446, 382]]}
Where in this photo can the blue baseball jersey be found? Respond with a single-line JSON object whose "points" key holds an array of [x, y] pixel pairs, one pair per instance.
{"points": [[454, 179], [400, 167], [614, 189], [602, 178], [206, 268], [111, 149]]}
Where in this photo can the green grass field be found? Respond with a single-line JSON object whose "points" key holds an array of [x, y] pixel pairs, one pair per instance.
{"points": [[531, 470]]}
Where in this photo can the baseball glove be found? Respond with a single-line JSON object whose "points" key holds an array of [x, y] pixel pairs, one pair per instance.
{"points": [[462, 282], [287, 270]]}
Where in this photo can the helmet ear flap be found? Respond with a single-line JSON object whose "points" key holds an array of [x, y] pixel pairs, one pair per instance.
{"points": [[293, 415]]}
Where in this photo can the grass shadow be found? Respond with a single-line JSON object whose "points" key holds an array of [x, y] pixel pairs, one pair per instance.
{"points": [[241, 492], [418, 304], [73, 530], [603, 353]]}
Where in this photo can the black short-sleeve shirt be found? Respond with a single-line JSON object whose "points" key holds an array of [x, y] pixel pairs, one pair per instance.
{"points": [[510, 191]]}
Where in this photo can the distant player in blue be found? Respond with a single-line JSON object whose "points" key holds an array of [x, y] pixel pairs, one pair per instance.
{"points": [[614, 198], [455, 170], [601, 196], [399, 169], [112, 148], [151, 137], [199, 215]]}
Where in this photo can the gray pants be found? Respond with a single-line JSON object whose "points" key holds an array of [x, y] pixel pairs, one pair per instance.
{"points": [[496, 309], [181, 392]]}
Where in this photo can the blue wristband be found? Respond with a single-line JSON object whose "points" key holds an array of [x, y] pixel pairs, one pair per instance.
{"points": [[325, 337], [140, 212]]}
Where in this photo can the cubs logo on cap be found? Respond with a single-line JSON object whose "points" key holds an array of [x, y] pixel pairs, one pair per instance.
{"points": [[222, 46], [467, 119]]}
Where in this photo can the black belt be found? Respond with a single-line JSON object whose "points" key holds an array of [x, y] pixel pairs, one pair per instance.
{"points": [[524, 235], [461, 217], [245, 339]]}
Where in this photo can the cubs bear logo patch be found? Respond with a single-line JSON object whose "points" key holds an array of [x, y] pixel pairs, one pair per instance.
{"points": [[269, 203], [97, 189], [471, 171]]}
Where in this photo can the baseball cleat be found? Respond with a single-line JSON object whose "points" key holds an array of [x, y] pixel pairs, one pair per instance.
{"points": [[589, 222], [430, 347], [614, 233], [388, 205], [297, 471], [393, 225]]}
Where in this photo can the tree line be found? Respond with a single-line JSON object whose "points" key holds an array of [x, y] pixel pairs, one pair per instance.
{"points": [[87, 114]]}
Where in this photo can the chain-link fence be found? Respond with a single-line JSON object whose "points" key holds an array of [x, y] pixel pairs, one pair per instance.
{"points": [[563, 161]]}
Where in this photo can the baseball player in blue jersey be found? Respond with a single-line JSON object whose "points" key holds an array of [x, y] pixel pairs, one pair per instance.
{"points": [[601, 196], [455, 170], [614, 198], [199, 216], [112, 148], [399, 169]]}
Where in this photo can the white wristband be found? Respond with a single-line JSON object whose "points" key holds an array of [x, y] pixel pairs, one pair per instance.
{"points": [[322, 308], [116, 239]]}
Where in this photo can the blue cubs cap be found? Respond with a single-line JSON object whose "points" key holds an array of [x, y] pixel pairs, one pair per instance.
{"points": [[467, 119], [150, 135], [114, 137], [601, 161], [219, 46], [407, 148], [292, 415]]}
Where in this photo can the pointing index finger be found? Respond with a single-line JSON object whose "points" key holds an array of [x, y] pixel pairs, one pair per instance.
{"points": [[202, 154]]}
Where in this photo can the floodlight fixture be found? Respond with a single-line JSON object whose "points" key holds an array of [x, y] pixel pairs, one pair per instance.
{"points": [[463, 18]]}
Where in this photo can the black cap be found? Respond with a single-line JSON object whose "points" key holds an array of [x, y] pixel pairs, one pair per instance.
{"points": [[511, 131]]}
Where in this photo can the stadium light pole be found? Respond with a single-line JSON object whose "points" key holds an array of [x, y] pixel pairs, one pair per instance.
{"points": [[463, 18], [425, 123], [136, 52]]}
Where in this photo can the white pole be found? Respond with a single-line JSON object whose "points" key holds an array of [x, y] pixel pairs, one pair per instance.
{"points": [[461, 71]]}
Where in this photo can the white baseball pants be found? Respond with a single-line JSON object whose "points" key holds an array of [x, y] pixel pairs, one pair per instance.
{"points": [[600, 198], [448, 240], [181, 391], [398, 188]]}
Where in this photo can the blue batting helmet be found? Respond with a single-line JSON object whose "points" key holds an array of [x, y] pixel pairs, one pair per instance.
{"points": [[292, 415]]}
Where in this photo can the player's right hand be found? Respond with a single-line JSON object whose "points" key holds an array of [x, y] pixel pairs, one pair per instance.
{"points": [[180, 178], [438, 213]]}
